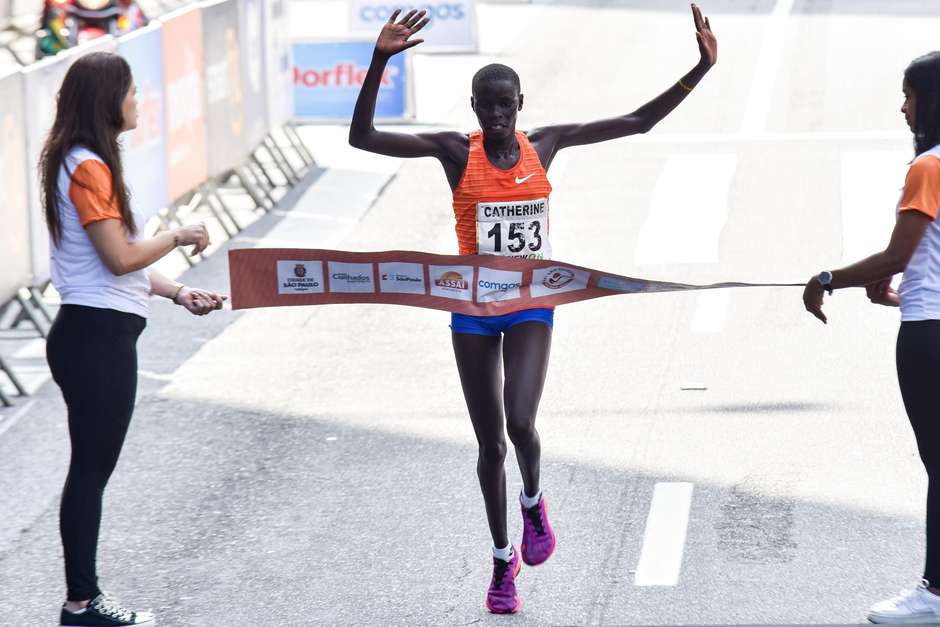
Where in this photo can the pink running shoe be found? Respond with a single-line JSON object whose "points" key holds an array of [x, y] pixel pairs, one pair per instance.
{"points": [[502, 597], [538, 539]]}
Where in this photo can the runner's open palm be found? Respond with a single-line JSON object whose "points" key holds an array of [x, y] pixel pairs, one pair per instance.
{"points": [[394, 36], [707, 42]]}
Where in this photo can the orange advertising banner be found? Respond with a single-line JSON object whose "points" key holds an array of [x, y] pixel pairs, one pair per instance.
{"points": [[184, 80], [479, 285]]}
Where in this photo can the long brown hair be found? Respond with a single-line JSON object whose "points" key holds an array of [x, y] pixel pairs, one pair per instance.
{"points": [[88, 113], [923, 76]]}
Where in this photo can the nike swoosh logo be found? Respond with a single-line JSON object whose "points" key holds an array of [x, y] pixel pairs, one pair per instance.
{"points": [[520, 181]]}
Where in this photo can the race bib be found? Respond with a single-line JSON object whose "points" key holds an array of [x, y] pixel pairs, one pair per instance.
{"points": [[518, 228]]}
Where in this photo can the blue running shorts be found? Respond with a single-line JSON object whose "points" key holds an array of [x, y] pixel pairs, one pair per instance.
{"points": [[494, 325]]}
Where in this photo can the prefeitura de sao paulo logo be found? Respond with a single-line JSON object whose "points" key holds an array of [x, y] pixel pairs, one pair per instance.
{"points": [[300, 270]]}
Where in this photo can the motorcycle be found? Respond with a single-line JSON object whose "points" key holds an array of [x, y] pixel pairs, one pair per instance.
{"points": [[68, 23]]}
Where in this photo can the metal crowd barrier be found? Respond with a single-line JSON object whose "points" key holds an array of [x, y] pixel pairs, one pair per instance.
{"points": [[215, 92]]}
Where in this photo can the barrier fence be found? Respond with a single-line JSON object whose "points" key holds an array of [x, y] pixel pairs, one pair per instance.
{"points": [[215, 92]]}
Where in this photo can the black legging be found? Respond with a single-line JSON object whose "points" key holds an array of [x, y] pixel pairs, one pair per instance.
{"points": [[525, 350], [918, 359], [93, 357]]}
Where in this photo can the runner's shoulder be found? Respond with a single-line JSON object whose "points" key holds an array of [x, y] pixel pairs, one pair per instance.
{"points": [[452, 144], [548, 133]]}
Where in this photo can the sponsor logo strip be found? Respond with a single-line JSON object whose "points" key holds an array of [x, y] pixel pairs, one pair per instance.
{"points": [[482, 285]]}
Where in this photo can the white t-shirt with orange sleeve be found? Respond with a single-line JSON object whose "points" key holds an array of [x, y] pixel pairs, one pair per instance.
{"points": [[78, 273], [920, 286]]}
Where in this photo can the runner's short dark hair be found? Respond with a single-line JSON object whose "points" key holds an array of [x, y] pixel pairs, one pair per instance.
{"points": [[495, 72]]}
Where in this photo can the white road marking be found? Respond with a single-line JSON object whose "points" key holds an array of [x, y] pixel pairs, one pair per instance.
{"points": [[7, 423], [766, 136], [711, 309], [664, 539], [155, 376], [688, 210], [871, 186], [767, 68]]}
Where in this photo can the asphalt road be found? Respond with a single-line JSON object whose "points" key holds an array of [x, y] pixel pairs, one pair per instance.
{"points": [[305, 466]]}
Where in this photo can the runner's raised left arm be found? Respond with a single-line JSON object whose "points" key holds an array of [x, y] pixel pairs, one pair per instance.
{"points": [[647, 116]]}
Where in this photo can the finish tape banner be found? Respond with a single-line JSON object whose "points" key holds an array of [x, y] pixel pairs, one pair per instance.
{"points": [[479, 285]]}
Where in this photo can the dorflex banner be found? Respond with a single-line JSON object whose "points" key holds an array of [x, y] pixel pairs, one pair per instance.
{"points": [[225, 86], [42, 81], [479, 285], [328, 76], [452, 26], [279, 65], [14, 211], [145, 147], [184, 106], [251, 32]]}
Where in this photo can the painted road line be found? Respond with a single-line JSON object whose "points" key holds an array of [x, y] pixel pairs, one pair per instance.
{"points": [[767, 68], [664, 539], [7, 423], [711, 309], [767, 136], [871, 186], [688, 210]]}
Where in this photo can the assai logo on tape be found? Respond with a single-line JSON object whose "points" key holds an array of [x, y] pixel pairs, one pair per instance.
{"points": [[452, 282], [299, 277]]}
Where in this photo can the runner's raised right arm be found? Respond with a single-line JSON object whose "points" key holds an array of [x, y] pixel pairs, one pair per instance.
{"points": [[450, 148], [362, 133]]}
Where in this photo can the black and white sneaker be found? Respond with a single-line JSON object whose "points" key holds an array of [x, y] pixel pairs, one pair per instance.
{"points": [[103, 611]]}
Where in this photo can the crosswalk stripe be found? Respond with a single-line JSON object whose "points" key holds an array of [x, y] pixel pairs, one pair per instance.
{"points": [[664, 538], [711, 309], [688, 210], [760, 98], [871, 184]]}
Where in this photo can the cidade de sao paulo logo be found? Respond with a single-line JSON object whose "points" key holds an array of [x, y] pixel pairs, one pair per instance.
{"points": [[344, 74], [299, 277]]}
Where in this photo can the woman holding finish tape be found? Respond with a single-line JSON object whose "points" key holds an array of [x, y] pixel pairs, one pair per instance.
{"points": [[914, 249], [99, 267]]}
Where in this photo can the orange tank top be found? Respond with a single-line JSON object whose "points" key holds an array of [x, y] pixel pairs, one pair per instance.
{"points": [[503, 212]]}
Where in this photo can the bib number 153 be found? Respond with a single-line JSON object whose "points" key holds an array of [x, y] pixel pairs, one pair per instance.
{"points": [[515, 240], [514, 229]]}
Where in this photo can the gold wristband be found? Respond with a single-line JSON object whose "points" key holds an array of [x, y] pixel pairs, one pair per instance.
{"points": [[684, 86], [179, 289]]}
